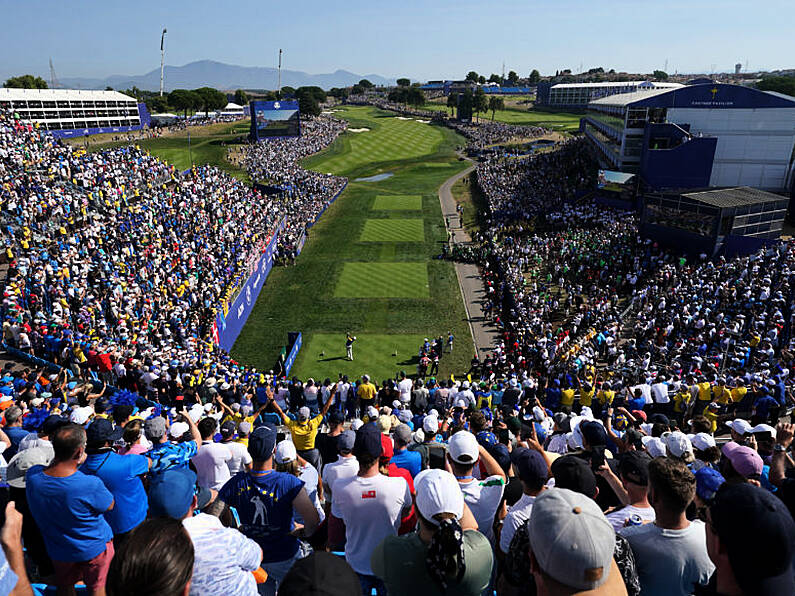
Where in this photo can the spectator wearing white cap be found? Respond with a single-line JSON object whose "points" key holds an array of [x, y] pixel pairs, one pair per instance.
{"points": [[432, 450], [705, 451], [482, 496], [287, 460], [571, 546], [678, 446], [446, 555], [671, 553], [739, 429]]}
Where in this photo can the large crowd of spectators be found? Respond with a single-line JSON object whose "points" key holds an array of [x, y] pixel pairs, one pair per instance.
{"points": [[625, 436]]}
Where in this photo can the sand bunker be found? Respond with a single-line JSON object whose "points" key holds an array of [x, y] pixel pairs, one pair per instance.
{"points": [[403, 118], [358, 130], [424, 121]]}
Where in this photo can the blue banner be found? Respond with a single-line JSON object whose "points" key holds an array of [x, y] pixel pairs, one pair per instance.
{"points": [[82, 132], [231, 324], [288, 363]]}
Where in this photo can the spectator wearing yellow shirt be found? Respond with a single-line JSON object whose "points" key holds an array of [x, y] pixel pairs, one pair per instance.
{"points": [[721, 392], [711, 414], [738, 393], [366, 393], [682, 400], [704, 390], [567, 396], [605, 395], [304, 430], [587, 392], [237, 413]]}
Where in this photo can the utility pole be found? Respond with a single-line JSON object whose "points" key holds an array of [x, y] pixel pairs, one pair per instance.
{"points": [[279, 89], [162, 58]]}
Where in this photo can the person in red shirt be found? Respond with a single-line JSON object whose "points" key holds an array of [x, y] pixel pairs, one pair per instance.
{"points": [[409, 522]]}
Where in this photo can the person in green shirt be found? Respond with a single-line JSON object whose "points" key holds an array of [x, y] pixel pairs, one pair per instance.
{"points": [[447, 555]]}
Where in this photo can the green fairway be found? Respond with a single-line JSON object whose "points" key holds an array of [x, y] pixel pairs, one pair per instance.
{"points": [[393, 230], [556, 121], [382, 280], [398, 203], [377, 355], [390, 139], [386, 287]]}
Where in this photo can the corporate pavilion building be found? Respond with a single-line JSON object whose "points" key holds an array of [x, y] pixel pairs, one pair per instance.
{"points": [[713, 164], [578, 95], [72, 113]]}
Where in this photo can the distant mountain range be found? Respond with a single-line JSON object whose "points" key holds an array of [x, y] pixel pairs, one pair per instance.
{"points": [[208, 73]]}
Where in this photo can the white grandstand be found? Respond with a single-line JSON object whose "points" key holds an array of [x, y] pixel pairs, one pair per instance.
{"points": [[70, 112]]}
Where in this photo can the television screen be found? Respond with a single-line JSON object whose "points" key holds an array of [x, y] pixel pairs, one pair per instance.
{"points": [[275, 119]]}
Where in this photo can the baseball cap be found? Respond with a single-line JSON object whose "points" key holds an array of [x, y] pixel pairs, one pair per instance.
{"points": [[634, 466], [463, 448], [346, 440], [171, 493], [285, 452], [760, 549], [244, 427], [52, 423], [530, 465], [101, 431], [571, 539], [574, 473], [303, 413], [356, 424], [764, 428], [155, 428], [368, 442], [594, 433], [228, 428], [678, 444], [23, 461], [262, 442], [178, 429], [438, 492], [739, 426], [745, 461], [654, 445], [702, 441], [430, 424], [320, 574], [708, 481], [403, 433]]}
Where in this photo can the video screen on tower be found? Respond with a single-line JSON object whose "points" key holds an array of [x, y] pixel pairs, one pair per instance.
{"points": [[274, 119]]}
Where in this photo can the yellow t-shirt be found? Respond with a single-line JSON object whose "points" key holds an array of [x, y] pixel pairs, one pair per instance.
{"points": [[606, 397], [484, 401], [704, 391], [304, 433], [586, 397], [722, 393], [567, 397], [738, 393], [681, 399], [712, 417], [366, 391]]}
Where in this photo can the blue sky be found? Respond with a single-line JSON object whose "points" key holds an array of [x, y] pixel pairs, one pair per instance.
{"points": [[422, 40]]}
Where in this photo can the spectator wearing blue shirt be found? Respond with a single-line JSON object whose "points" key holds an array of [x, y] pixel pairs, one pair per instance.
{"points": [[765, 408], [121, 475], [69, 508], [553, 396], [403, 458], [165, 455], [14, 431], [265, 501]]}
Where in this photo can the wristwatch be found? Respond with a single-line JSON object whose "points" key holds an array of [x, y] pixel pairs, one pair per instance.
{"points": [[779, 448]]}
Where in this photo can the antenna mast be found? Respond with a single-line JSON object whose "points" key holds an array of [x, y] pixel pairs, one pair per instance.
{"points": [[279, 90], [54, 84], [162, 58]]}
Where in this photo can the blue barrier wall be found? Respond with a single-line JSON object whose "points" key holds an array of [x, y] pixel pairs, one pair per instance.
{"points": [[290, 360], [230, 326], [82, 132]]}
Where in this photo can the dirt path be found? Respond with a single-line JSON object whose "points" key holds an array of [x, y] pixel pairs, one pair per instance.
{"points": [[484, 333]]}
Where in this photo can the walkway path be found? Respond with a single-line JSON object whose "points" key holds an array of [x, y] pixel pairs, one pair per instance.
{"points": [[484, 333]]}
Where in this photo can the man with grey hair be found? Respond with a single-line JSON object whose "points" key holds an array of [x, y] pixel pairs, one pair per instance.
{"points": [[403, 457], [14, 431], [166, 455]]}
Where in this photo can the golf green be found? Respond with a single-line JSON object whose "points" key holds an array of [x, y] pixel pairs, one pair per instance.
{"points": [[382, 280], [393, 230], [398, 203]]}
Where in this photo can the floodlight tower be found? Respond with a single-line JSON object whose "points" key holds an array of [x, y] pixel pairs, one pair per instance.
{"points": [[279, 88], [162, 58]]}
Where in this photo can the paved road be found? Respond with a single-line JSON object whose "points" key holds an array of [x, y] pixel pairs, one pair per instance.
{"points": [[484, 333]]}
